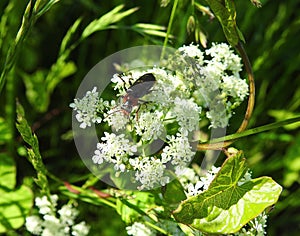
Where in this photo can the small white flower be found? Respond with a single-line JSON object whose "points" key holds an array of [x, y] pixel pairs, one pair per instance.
{"points": [[140, 229], [187, 114], [115, 149], [178, 152], [195, 189], [80, 229], [117, 119], [149, 172], [191, 51], [246, 178], [149, 125], [87, 108], [52, 226], [34, 225], [235, 87], [44, 205], [68, 214], [209, 177]]}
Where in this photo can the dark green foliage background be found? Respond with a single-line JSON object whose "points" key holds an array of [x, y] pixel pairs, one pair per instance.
{"points": [[272, 43]]}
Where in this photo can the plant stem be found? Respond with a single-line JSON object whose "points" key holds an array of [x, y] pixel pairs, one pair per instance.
{"points": [[215, 143], [169, 27]]}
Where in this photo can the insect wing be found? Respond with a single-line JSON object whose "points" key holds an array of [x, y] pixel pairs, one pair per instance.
{"points": [[142, 86]]}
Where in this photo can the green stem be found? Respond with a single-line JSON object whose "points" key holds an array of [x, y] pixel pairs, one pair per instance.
{"points": [[156, 228], [169, 27], [251, 98], [256, 130]]}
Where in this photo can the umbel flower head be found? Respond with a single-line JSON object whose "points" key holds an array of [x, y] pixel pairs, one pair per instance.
{"points": [[152, 129], [53, 221]]}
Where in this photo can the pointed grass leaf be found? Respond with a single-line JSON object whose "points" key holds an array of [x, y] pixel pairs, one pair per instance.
{"points": [[228, 204], [106, 20]]}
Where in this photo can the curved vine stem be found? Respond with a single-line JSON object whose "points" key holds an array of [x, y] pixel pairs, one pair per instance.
{"points": [[250, 106], [251, 99]]}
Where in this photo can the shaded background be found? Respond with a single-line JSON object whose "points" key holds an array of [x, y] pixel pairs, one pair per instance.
{"points": [[272, 43]]}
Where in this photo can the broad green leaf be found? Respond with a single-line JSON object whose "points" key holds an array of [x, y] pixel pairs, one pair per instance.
{"points": [[106, 20], [227, 205], [5, 135], [225, 12], [14, 207], [135, 205], [7, 172]]}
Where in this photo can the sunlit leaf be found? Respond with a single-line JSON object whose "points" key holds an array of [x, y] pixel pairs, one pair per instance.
{"points": [[14, 203], [14, 207], [7, 171], [226, 206]]}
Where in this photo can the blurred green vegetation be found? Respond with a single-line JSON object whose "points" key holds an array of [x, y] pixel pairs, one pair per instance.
{"points": [[271, 35]]}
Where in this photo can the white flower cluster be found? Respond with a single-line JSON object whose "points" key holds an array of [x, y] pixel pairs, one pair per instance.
{"points": [[193, 85], [87, 108], [50, 224], [257, 227], [219, 87], [138, 229], [193, 183]]}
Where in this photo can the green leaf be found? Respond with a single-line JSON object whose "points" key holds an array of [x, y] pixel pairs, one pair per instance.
{"points": [[69, 35], [225, 12], [14, 207], [106, 20], [226, 206], [7, 171], [135, 205], [5, 134], [14, 204], [150, 29], [43, 6], [168, 193]]}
